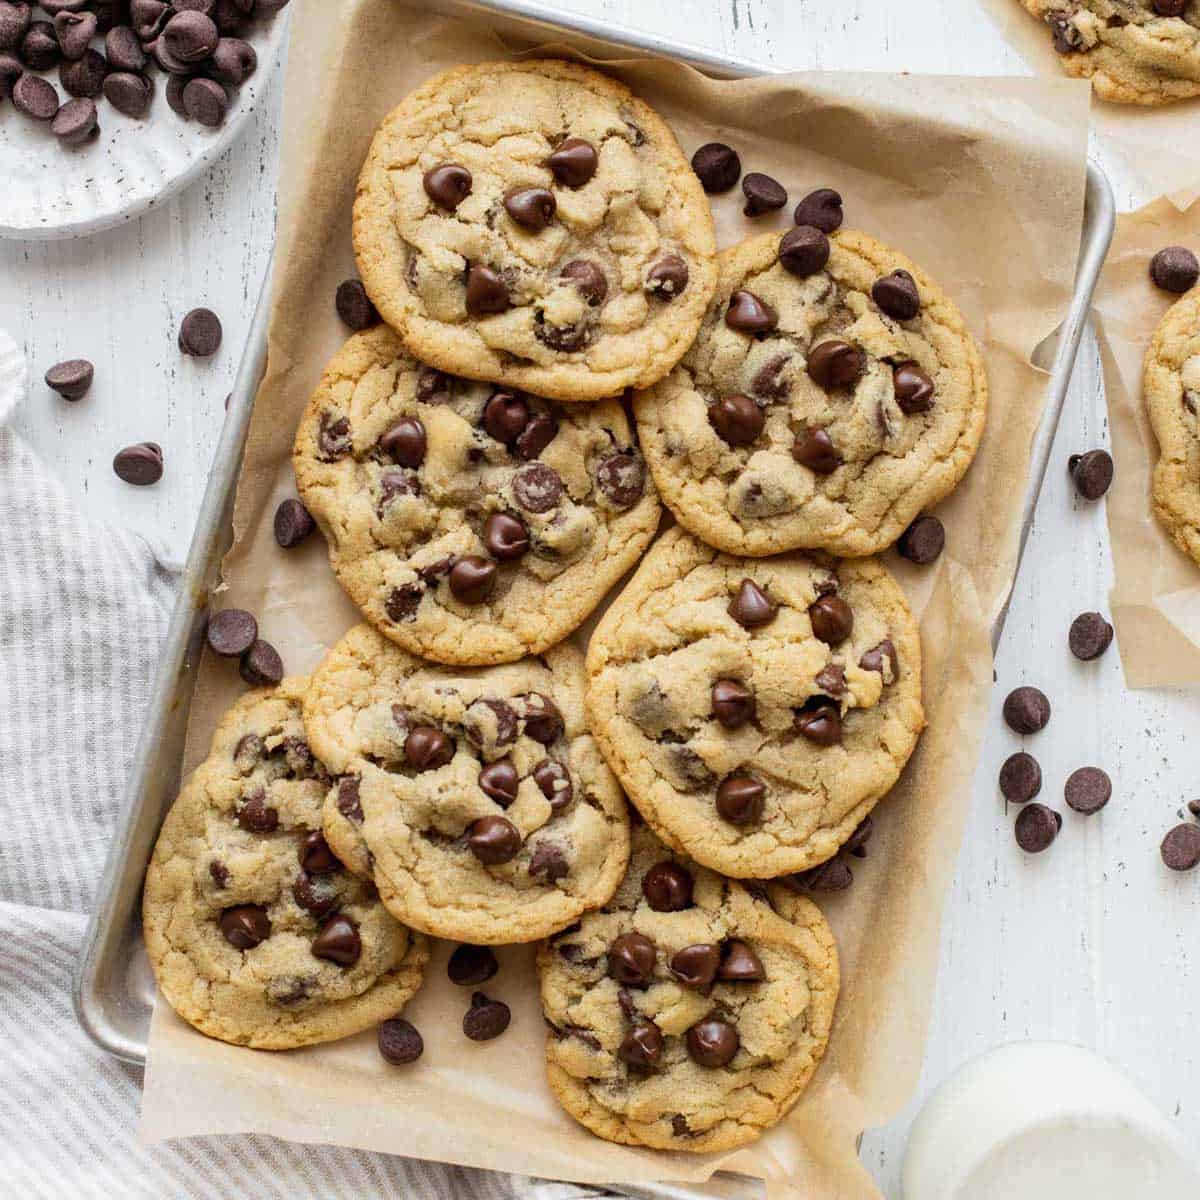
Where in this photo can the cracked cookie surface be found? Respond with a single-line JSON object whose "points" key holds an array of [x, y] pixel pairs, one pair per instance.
{"points": [[1172, 390], [476, 799], [755, 710], [1133, 51], [256, 933], [535, 222], [470, 523], [805, 416], [691, 1012]]}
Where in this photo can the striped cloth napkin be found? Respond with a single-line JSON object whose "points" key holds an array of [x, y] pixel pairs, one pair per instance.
{"points": [[83, 609]]}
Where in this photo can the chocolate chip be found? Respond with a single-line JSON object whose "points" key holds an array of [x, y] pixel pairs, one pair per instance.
{"points": [[573, 162], [1020, 778], [473, 579], [834, 875], [1181, 847], [129, 94], [923, 541], [39, 47], [732, 703], [14, 23], [486, 1019], [75, 123], [813, 448], [856, 843], [897, 295], [10, 71], [261, 665], [123, 50], [621, 478], [469, 965], [447, 185], [740, 964], [1090, 636], [293, 523], [535, 437], [1026, 710], [667, 887], [717, 166], [487, 293], [404, 442], [588, 278], [505, 416], [835, 364], [832, 619], [884, 659], [712, 1042], [748, 314], [913, 388], [71, 379], [1088, 790], [245, 926], [821, 209], [532, 208], [219, 873], [348, 802], [1092, 473], [205, 101], [256, 816], [426, 748], [140, 465], [499, 782], [36, 98], [554, 781], [831, 679], [338, 941], [804, 251], [1170, 8], [737, 419], [543, 721], [740, 799], [354, 305], [148, 17], [1175, 269], [537, 488], [820, 721], [549, 862], [1036, 828], [642, 1046], [200, 333], [231, 632], [84, 79], [494, 840], [334, 436], [190, 36], [402, 602], [668, 277], [763, 194], [74, 31], [505, 537], [232, 62], [751, 607], [315, 855], [399, 1042], [248, 751], [631, 959]]}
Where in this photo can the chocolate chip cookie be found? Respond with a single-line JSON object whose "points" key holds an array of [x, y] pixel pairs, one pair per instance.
{"points": [[1133, 51], [755, 710], [833, 393], [471, 523], [256, 932], [1172, 386], [691, 1012], [535, 223], [475, 798]]}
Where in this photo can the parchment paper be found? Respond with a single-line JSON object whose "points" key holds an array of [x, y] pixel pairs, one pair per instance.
{"points": [[982, 182], [1156, 592], [1158, 144]]}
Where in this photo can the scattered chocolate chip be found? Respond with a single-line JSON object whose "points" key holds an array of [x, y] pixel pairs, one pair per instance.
{"points": [[532, 208], [897, 295], [717, 166], [1090, 636], [748, 314], [123, 50], [835, 364], [696, 966], [354, 305], [473, 579], [245, 926], [832, 619], [763, 194], [573, 162], [76, 122], [631, 959], [505, 537], [813, 448], [833, 875], [447, 185], [913, 388], [1181, 847], [822, 209], [71, 379], [140, 465], [712, 1042], [84, 79], [129, 94], [486, 1019], [36, 98], [256, 816], [554, 782], [831, 679], [668, 277], [667, 887], [740, 799], [751, 607], [74, 31], [1020, 778], [642, 1046], [338, 941], [1036, 828], [737, 419], [487, 293], [804, 251], [621, 479], [740, 964], [1026, 710], [537, 488], [190, 36], [548, 862], [469, 965], [1175, 269], [261, 665], [769, 379], [588, 278], [348, 802], [1092, 473], [293, 523], [923, 541], [200, 333], [399, 1042], [543, 721], [820, 721], [402, 602], [427, 748], [39, 48], [536, 436], [231, 632], [10, 71], [884, 659], [315, 855], [232, 62], [732, 703], [494, 840], [1088, 790]]}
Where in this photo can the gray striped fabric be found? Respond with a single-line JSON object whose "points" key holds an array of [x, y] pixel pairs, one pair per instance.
{"points": [[83, 608]]}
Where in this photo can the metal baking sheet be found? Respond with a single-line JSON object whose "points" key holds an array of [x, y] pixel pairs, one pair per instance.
{"points": [[114, 986]]}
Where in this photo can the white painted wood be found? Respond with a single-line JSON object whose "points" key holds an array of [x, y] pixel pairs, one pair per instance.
{"points": [[1092, 942]]}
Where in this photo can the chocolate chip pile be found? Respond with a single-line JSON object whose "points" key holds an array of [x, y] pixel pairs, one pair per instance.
{"points": [[109, 49]]}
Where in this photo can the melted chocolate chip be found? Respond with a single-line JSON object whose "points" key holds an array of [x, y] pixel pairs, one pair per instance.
{"points": [[667, 278], [499, 782], [696, 966], [494, 840], [537, 488], [737, 419], [642, 1046], [732, 703], [667, 887], [832, 619], [740, 799], [245, 926], [505, 537], [555, 783], [751, 607], [813, 448], [740, 964], [621, 478], [631, 959], [588, 278], [897, 295], [447, 185], [487, 293], [404, 442], [532, 208], [573, 162], [473, 579], [426, 748], [914, 389], [712, 1042], [748, 314], [820, 721], [835, 364]]}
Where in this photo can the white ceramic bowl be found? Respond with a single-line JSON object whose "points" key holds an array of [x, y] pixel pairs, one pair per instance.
{"points": [[52, 191]]}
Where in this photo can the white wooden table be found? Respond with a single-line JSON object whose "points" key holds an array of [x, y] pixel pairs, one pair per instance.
{"points": [[1093, 941]]}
